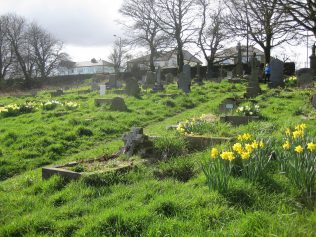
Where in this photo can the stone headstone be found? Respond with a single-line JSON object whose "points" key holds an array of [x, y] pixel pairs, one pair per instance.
{"points": [[228, 105], [112, 81], [149, 80], [169, 78], [57, 93], [102, 90], [276, 79], [305, 78], [314, 101], [253, 88], [313, 59], [118, 104], [94, 85], [136, 143], [198, 77], [132, 87], [229, 75], [239, 69], [184, 82], [158, 75]]}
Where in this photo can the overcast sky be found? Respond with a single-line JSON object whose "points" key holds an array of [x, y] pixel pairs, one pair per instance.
{"points": [[87, 26]]}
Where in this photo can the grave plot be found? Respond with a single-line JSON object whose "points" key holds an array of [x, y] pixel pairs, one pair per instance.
{"points": [[75, 170]]}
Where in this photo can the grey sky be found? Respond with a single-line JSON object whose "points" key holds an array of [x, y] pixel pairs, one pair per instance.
{"points": [[85, 26]]}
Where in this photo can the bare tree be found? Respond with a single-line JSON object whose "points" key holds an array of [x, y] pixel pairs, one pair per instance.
{"points": [[45, 48], [301, 11], [119, 55], [17, 36], [142, 27], [212, 33], [178, 19], [266, 25], [6, 53]]}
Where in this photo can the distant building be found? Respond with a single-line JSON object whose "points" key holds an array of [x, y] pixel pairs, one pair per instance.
{"points": [[229, 56], [87, 67], [164, 60]]}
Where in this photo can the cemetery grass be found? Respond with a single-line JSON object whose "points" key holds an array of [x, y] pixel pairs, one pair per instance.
{"points": [[167, 198]]}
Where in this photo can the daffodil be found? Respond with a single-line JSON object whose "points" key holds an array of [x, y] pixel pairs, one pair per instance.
{"points": [[237, 147], [249, 148], [246, 136], [261, 144], [298, 133], [288, 132], [299, 149], [227, 155], [255, 144], [214, 153], [286, 145], [245, 155], [311, 146]]}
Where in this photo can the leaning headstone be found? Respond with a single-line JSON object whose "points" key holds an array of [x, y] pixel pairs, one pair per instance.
{"points": [[253, 88], [102, 90], [277, 68], [314, 101], [184, 82], [136, 143], [132, 87], [305, 78], [118, 104]]}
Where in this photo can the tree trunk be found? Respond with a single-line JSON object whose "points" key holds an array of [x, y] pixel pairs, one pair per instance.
{"points": [[180, 57]]}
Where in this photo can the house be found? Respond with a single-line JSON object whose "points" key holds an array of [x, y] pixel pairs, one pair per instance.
{"points": [[229, 56], [87, 67], [164, 60]]}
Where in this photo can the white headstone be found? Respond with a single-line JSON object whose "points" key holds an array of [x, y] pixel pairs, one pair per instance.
{"points": [[102, 89]]}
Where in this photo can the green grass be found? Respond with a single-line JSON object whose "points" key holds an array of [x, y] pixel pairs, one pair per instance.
{"points": [[166, 198]]}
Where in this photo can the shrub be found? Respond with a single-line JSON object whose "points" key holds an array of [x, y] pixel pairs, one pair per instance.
{"points": [[50, 105]]}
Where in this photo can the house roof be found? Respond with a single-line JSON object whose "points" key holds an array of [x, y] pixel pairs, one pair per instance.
{"points": [[164, 56], [92, 64], [233, 52]]}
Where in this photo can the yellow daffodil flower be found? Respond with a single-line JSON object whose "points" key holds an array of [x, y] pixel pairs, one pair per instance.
{"points": [[214, 153], [286, 145], [245, 155], [299, 149], [227, 155], [288, 132], [237, 147], [261, 144], [255, 144], [311, 146], [249, 148]]}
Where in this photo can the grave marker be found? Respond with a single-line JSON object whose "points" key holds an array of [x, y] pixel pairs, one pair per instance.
{"points": [[276, 79]]}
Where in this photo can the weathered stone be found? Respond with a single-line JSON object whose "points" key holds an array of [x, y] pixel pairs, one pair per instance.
{"points": [[184, 82], [277, 68], [132, 87], [238, 120], [228, 105], [201, 142], [253, 88], [57, 93], [136, 143], [169, 78], [149, 80], [118, 104], [67, 174], [239, 68], [305, 78], [314, 101], [100, 101]]}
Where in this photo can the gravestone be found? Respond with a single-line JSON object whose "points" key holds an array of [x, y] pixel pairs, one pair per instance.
{"points": [[198, 77], [112, 81], [305, 78], [136, 143], [118, 104], [228, 105], [253, 88], [149, 81], [102, 90], [276, 79], [314, 101], [239, 68], [169, 78], [229, 75], [158, 85], [184, 82], [132, 87], [94, 85], [57, 93], [313, 59]]}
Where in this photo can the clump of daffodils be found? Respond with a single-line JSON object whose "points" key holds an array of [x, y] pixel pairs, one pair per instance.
{"points": [[16, 109], [297, 141], [191, 126], [50, 105], [71, 105], [248, 110]]}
